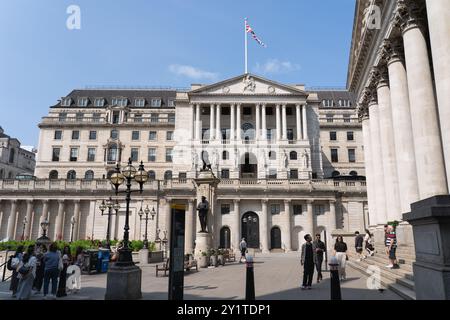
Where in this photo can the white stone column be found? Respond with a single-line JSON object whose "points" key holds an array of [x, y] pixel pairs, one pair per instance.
{"points": [[309, 225], [236, 232], [192, 120], [219, 131], [59, 221], [258, 122], [377, 162], [238, 122], [403, 134], [388, 150], [212, 130], [28, 216], [232, 122], [76, 214], [264, 227], [431, 175], [284, 126], [168, 214], [264, 123], [277, 120], [197, 122], [438, 12], [12, 221], [305, 122], [298, 122], [332, 217], [288, 225], [189, 235]]}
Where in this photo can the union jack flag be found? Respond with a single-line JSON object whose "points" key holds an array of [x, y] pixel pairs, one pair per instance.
{"points": [[249, 29]]}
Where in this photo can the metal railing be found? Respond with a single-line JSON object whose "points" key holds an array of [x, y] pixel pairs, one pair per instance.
{"points": [[3, 268]]}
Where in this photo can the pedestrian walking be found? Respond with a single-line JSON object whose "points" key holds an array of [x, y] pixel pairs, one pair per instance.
{"points": [[391, 245], [340, 251], [26, 274], [308, 260], [53, 265], [243, 248], [320, 249], [13, 264], [40, 266], [368, 241], [66, 260], [359, 243]]}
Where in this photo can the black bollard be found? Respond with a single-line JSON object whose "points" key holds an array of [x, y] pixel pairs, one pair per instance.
{"points": [[250, 279], [335, 281]]}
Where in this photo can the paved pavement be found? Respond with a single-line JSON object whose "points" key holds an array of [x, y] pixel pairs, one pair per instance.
{"points": [[277, 277]]}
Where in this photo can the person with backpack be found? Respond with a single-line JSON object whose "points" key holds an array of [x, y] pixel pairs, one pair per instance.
{"points": [[26, 273], [53, 265], [243, 248], [13, 263]]}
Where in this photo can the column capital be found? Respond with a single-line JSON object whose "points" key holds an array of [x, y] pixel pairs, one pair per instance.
{"points": [[29, 201], [190, 201], [309, 201], [409, 15], [13, 201], [77, 200], [60, 201], [236, 201], [383, 79], [45, 201], [287, 201], [363, 111], [333, 201], [264, 201], [392, 50]]}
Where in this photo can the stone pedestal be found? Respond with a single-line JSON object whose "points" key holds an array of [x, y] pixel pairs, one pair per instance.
{"points": [[430, 220], [123, 283], [143, 257], [203, 243]]}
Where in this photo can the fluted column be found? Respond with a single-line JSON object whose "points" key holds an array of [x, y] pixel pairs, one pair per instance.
{"points": [[192, 120], [264, 227], [388, 149], [29, 220], [238, 122], [236, 232], [284, 127], [305, 122], [59, 221], [288, 225], [377, 161], [431, 173], [76, 214], [277, 120], [438, 12], [403, 133], [309, 225], [189, 231], [197, 122], [44, 215], [264, 123], [232, 122], [212, 130], [219, 132], [298, 122], [332, 216], [258, 121], [12, 221]]}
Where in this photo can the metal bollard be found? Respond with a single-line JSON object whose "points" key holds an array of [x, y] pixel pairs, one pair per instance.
{"points": [[335, 281], [250, 280]]}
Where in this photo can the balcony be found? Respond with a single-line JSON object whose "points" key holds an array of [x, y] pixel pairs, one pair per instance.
{"points": [[70, 120]]}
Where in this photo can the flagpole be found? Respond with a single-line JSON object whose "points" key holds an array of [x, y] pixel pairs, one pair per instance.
{"points": [[245, 34]]}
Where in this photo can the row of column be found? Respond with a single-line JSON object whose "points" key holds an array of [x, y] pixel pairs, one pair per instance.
{"points": [[260, 122], [406, 160]]}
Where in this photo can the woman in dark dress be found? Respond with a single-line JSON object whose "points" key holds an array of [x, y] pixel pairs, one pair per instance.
{"points": [[40, 267], [14, 280], [67, 260]]}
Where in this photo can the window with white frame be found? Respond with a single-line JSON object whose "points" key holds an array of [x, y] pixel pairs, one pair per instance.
{"points": [[169, 152], [139, 102], [319, 209], [151, 154], [275, 208], [82, 102], [121, 102], [66, 102], [134, 154], [152, 135], [73, 154], [171, 103], [156, 102], [169, 135], [99, 102]]}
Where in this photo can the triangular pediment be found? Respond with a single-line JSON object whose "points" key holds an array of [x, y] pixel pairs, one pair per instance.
{"points": [[248, 84]]}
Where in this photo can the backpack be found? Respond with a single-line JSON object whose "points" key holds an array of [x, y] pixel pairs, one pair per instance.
{"points": [[23, 270], [9, 264]]}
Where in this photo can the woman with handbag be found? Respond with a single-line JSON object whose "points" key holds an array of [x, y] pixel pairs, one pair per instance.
{"points": [[66, 261], [26, 274], [340, 251], [53, 265]]}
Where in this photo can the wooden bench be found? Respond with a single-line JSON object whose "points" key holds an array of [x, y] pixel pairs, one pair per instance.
{"points": [[164, 267], [190, 263]]}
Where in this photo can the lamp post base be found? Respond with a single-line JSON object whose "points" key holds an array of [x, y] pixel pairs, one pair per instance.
{"points": [[123, 283]]}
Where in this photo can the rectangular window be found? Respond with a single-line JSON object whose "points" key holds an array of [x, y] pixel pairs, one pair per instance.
{"points": [[151, 154], [247, 111], [171, 103], [156, 102], [319, 209], [334, 155], [270, 134], [116, 117], [351, 155], [171, 118], [92, 135], [55, 154], [169, 154], [91, 154], [82, 102], [275, 209], [293, 174], [350, 136], [135, 135], [329, 118], [121, 102], [58, 135], [225, 111], [139, 102], [62, 117], [154, 118], [152, 135], [346, 118], [269, 111], [297, 209], [96, 117], [75, 135], [290, 134], [225, 208], [182, 176], [225, 174], [138, 118], [99, 102], [169, 135], [134, 154], [272, 173], [66, 102], [289, 111], [73, 154], [114, 134], [333, 136]]}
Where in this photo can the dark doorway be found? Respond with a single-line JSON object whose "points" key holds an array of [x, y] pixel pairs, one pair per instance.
{"points": [[275, 238], [249, 166], [225, 238], [250, 229]]}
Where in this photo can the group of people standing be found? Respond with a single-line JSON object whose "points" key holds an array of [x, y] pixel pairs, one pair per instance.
{"points": [[37, 266]]}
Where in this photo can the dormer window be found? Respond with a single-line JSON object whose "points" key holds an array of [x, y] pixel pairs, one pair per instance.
{"points": [[156, 102], [82, 102], [139, 102], [66, 102], [99, 102], [121, 102], [171, 103]]}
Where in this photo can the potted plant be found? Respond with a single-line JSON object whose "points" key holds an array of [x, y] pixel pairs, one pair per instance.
{"points": [[203, 260], [213, 255], [220, 257]]}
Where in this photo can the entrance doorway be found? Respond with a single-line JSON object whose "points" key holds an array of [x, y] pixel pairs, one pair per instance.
{"points": [[275, 238], [250, 229], [225, 238]]}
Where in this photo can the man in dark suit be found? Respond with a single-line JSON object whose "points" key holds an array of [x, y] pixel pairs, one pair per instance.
{"points": [[320, 249], [308, 260]]}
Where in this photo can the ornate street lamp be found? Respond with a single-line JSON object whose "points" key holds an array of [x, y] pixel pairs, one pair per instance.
{"points": [[25, 221], [164, 241], [44, 240], [128, 174], [72, 222], [109, 204], [141, 213]]}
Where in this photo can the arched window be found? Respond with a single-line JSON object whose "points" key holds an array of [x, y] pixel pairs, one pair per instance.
{"points": [[71, 175], [151, 175], [292, 155], [12, 154], [353, 173], [272, 155], [225, 155], [168, 175], [335, 174], [53, 175], [89, 175]]}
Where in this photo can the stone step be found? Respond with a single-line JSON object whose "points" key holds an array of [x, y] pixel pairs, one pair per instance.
{"points": [[384, 261], [404, 292], [406, 283], [407, 251], [404, 269]]}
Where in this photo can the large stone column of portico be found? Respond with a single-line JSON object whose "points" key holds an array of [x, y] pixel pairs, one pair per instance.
{"points": [[189, 231], [76, 214], [12, 221], [305, 122], [388, 148], [438, 12], [212, 130], [332, 216], [431, 175], [258, 122], [59, 221], [28, 216], [192, 120], [197, 122], [264, 123], [236, 233], [298, 122], [264, 227], [377, 163], [277, 124], [288, 225], [238, 122], [403, 134], [284, 127], [309, 225], [219, 131], [44, 215], [232, 122], [168, 214]]}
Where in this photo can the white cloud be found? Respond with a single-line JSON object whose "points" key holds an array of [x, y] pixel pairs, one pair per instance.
{"points": [[276, 66], [192, 72]]}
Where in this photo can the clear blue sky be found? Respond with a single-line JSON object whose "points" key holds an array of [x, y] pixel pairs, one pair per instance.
{"points": [[168, 43]]}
